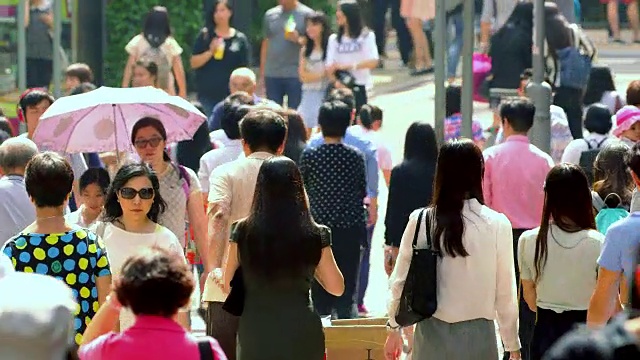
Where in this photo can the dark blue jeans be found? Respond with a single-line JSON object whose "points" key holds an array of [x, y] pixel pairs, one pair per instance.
{"points": [[277, 88], [405, 43], [363, 279]]}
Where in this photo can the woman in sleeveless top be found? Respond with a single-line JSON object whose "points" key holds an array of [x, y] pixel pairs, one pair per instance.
{"points": [[312, 71], [130, 226]]}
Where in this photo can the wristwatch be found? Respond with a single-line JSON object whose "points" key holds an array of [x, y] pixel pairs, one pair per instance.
{"points": [[392, 328]]}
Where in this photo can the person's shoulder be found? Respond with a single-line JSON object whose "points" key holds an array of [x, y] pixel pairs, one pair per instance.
{"points": [[594, 236], [225, 169], [530, 235], [624, 227], [333, 37], [164, 233], [94, 348], [494, 217], [304, 9], [276, 10], [240, 35]]}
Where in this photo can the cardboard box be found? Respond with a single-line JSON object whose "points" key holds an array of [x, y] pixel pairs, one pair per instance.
{"points": [[357, 339]]}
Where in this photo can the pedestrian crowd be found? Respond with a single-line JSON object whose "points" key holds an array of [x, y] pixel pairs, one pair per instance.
{"points": [[274, 199]]}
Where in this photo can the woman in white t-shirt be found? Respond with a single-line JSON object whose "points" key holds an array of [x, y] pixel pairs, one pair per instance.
{"points": [[352, 51], [130, 225], [558, 260], [156, 44]]}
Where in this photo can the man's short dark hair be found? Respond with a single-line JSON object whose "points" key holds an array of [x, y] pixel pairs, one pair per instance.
{"points": [[35, 97], [48, 179], [85, 87], [334, 118], [5, 125], [234, 108], [526, 74], [598, 119], [519, 113], [343, 94], [633, 93], [634, 160], [263, 130], [81, 71]]}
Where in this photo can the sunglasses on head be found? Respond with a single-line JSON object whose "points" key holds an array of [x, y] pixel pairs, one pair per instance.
{"points": [[130, 193], [141, 144]]}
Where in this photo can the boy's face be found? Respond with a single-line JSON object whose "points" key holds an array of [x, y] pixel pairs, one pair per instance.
{"points": [[33, 113], [70, 82]]}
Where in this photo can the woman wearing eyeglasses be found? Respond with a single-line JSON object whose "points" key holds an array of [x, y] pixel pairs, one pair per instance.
{"points": [[129, 226], [179, 186]]}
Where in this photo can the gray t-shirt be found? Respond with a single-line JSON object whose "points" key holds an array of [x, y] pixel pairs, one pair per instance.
{"points": [[283, 55], [39, 43]]}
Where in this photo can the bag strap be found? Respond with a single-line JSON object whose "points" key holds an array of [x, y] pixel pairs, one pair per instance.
{"points": [[427, 222], [601, 142], [415, 234], [588, 143], [204, 348]]}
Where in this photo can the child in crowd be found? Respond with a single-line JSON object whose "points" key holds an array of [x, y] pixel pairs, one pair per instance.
{"points": [[627, 125]]}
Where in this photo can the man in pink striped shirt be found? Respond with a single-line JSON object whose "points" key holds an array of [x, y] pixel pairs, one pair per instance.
{"points": [[513, 184]]}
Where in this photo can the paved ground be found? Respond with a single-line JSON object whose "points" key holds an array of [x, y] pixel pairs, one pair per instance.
{"points": [[405, 100]]}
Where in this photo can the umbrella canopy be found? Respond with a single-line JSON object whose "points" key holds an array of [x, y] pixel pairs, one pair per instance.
{"points": [[102, 120]]}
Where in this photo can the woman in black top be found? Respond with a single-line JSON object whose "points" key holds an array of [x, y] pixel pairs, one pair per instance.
{"points": [[219, 49], [410, 186]]}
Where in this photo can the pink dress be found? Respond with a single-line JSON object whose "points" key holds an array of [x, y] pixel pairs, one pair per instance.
{"points": [[150, 338], [418, 9]]}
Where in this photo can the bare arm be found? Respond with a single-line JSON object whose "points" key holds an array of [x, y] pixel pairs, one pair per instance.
{"points": [[198, 61], [263, 57], [387, 176], [603, 298], [529, 293], [128, 71], [232, 264], [307, 76], [198, 220], [181, 78], [328, 274], [27, 16], [103, 322], [218, 234]]}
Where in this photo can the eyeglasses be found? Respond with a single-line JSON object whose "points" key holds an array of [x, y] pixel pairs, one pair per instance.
{"points": [[130, 193], [141, 144]]}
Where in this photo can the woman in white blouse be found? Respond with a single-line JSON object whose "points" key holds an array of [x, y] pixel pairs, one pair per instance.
{"points": [[93, 186], [558, 260], [130, 225], [352, 49], [476, 275]]}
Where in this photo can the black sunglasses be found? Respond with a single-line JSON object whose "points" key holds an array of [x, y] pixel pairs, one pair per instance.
{"points": [[141, 144], [130, 193]]}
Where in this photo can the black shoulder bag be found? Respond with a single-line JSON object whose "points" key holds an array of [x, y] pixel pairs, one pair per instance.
{"points": [[419, 295]]}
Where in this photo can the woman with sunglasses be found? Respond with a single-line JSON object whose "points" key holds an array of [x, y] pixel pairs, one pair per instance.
{"points": [[129, 226], [179, 186]]}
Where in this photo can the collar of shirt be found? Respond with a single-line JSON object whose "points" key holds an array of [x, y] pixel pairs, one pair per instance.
{"points": [[150, 322], [13, 177], [517, 138], [260, 155]]}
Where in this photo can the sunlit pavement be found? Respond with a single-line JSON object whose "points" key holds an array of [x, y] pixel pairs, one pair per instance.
{"points": [[400, 110]]}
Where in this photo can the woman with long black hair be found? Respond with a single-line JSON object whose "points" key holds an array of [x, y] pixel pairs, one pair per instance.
{"points": [[312, 71], [558, 260], [157, 44], [218, 50], [281, 250], [602, 89], [352, 53], [476, 274]]}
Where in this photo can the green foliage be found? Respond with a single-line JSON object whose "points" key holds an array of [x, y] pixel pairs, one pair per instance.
{"points": [[125, 19]]}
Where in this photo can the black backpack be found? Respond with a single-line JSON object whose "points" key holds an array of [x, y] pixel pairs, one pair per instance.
{"points": [[588, 157]]}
